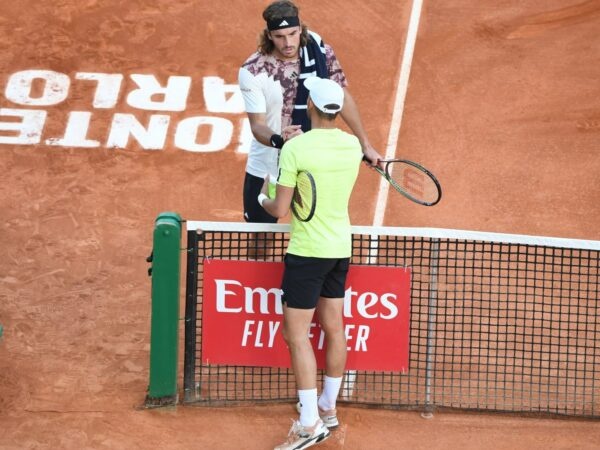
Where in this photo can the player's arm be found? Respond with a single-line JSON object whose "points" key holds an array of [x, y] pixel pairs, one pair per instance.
{"points": [[288, 171], [351, 116], [255, 105], [280, 205], [256, 109], [349, 112], [261, 131]]}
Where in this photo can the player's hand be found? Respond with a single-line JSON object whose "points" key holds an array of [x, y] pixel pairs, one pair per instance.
{"points": [[372, 156], [291, 131]]}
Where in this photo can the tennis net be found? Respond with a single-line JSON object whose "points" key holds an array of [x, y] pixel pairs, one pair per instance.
{"points": [[498, 322]]}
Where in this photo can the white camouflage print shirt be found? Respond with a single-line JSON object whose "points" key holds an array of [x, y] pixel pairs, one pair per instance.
{"points": [[268, 85]]}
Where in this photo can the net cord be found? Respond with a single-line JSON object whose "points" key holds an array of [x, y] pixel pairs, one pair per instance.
{"points": [[433, 233]]}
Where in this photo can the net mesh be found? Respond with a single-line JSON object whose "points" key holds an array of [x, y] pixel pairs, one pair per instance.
{"points": [[495, 326]]}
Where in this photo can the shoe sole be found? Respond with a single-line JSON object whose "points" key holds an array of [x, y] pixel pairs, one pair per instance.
{"points": [[324, 437], [314, 441]]}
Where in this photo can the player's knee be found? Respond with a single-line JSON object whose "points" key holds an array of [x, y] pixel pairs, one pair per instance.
{"points": [[332, 327], [293, 338]]}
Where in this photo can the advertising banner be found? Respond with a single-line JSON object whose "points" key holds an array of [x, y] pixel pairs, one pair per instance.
{"points": [[242, 316]]}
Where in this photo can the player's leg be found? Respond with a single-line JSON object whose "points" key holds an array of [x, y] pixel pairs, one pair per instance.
{"points": [[302, 280], [330, 309], [296, 325], [259, 243], [253, 212], [330, 313], [309, 429], [301, 286]]}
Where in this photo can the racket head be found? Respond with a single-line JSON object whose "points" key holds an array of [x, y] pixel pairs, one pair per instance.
{"points": [[304, 201], [413, 181]]}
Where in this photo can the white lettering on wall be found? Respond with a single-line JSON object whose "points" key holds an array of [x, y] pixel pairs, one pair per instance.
{"points": [[263, 299], [252, 327], [367, 302], [368, 305], [222, 294], [386, 302]]}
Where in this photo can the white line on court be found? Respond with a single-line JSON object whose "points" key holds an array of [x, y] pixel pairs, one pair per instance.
{"points": [[390, 150], [347, 389]]}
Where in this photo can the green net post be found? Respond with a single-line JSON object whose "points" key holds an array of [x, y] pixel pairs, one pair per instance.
{"points": [[164, 334]]}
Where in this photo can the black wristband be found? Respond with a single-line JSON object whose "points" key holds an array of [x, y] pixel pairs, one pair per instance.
{"points": [[277, 141]]}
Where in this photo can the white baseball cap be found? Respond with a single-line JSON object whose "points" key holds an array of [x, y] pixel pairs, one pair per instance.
{"points": [[326, 94]]}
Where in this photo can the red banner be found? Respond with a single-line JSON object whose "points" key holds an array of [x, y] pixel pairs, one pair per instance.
{"points": [[242, 314]]}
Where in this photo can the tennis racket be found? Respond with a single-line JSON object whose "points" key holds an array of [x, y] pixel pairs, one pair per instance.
{"points": [[304, 201], [412, 180]]}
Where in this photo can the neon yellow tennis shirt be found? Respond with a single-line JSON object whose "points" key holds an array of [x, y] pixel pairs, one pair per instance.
{"points": [[333, 158]]}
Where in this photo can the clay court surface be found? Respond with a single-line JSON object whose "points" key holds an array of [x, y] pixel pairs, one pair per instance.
{"points": [[502, 105]]}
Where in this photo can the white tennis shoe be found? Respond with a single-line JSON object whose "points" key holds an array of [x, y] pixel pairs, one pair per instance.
{"points": [[300, 437]]}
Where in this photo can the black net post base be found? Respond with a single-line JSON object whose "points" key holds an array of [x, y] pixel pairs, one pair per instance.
{"points": [[160, 402]]}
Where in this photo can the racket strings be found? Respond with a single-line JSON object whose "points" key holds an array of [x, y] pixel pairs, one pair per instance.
{"points": [[303, 204], [414, 182]]}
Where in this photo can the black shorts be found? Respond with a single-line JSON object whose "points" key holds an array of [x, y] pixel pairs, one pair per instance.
{"points": [[305, 279], [253, 212]]}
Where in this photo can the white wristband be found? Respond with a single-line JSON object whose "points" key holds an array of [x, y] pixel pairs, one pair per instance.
{"points": [[261, 198]]}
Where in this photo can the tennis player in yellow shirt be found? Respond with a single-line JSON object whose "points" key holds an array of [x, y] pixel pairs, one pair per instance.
{"points": [[318, 256]]}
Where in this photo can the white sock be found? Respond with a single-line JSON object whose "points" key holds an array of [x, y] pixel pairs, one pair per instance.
{"points": [[309, 414], [331, 389]]}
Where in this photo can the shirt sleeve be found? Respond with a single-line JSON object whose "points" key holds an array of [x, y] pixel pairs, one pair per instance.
{"points": [[254, 99], [287, 167], [336, 73]]}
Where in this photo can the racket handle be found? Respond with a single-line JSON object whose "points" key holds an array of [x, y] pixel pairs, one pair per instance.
{"points": [[367, 160]]}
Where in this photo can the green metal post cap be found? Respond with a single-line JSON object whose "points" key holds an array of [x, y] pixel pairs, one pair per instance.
{"points": [[169, 219], [168, 215]]}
